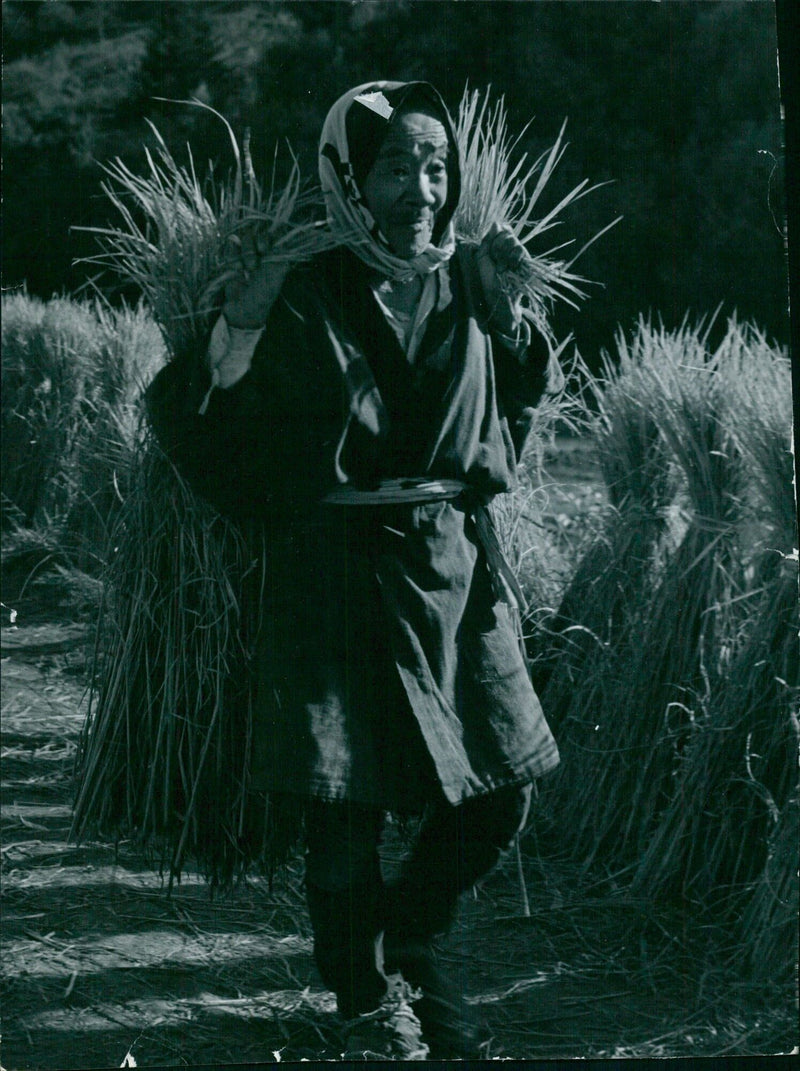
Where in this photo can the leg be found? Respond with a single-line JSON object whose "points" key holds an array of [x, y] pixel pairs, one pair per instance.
{"points": [[343, 886], [343, 889], [456, 847]]}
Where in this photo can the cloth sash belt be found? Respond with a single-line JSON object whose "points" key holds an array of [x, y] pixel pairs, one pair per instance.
{"points": [[417, 489], [421, 490]]}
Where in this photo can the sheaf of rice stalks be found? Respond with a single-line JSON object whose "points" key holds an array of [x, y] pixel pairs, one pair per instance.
{"points": [[497, 188], [71, 375], [724, 832], [603, 600], [634, 703], [165, 752], [180, 235]]}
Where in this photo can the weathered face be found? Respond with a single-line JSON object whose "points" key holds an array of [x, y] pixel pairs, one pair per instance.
{"points": [[407, 185]]}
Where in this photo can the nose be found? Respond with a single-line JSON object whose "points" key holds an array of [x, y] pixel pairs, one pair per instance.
{"points": [[420, 192]]}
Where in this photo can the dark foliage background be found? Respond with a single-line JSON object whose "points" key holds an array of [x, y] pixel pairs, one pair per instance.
{"points": [[677, 103]]}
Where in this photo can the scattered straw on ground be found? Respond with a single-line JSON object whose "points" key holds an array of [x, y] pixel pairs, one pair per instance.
{"points": [[98, 962]]}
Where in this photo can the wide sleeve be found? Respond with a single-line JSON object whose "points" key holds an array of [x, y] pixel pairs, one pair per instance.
{"points": [[525, 367], [524, 374], [220, 451], [257, 441]]}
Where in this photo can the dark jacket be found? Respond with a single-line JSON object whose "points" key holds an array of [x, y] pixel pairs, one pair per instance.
{"points": [[388, 669]]}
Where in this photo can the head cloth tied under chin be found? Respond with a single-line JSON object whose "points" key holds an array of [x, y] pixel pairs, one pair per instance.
{"points": [[352, 135]]}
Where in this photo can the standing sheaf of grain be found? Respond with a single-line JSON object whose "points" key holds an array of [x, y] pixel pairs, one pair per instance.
{"points": [[673, 663], [71, 375], [600, 617], [676, 715], [739, 766], [602, 603]]}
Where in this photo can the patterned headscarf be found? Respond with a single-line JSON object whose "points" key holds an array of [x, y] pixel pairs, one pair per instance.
{"points": [[352, 133]]}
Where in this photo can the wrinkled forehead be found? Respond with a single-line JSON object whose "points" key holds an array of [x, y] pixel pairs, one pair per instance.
{"points": [[417, 132]]}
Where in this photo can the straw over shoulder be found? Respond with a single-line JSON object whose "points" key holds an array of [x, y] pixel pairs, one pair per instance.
{"points": [[165, 752], [179, 236], [496, 189]]}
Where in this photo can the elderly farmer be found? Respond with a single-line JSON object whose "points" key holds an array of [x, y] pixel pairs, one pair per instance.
{"points": [[372, 402]]}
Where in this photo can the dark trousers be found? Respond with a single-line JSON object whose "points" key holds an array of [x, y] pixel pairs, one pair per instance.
{"points": [[355, 915]]}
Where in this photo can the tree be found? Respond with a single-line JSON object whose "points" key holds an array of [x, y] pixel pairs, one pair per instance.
{"points": [[676, 105]]}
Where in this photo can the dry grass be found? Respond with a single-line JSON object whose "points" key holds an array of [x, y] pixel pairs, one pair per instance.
{"points": [[180, 237], [675, 686], [499, 185], [72, 373], [166, 752], [738, 759]]}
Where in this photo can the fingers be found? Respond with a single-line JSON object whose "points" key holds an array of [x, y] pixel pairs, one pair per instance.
{"points": [[250, 296], [248, 248], [501, 246], [254, 248], [250, 255], [500, 253]]}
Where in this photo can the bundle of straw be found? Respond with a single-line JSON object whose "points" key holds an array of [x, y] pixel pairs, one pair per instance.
{"points": [[739, 766], [633, 709], [165, 753], [673, 667], [494, 189], [180, 237], [71, 373], [601, 607]]}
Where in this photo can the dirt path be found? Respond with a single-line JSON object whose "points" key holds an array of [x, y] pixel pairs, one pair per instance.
{"points": [[100, 966]]}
